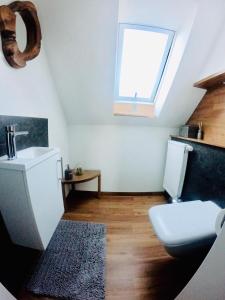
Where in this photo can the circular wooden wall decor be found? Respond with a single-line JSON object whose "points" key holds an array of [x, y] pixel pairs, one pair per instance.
{"points": [[12, 53]]}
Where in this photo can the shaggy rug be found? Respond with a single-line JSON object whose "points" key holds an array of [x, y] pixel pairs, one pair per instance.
{"points": [[72, 267]]}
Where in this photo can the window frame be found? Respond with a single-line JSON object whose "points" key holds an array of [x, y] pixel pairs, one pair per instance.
{"points": [[122, 27]]}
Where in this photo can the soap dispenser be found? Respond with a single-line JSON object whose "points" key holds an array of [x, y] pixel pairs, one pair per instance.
{"points": [[68, 173]]}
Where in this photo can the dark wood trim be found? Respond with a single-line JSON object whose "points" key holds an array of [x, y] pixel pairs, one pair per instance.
{"points": [[131, 194]]}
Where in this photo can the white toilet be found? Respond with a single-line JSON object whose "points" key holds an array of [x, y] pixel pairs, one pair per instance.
{"points": [[182, 227]]}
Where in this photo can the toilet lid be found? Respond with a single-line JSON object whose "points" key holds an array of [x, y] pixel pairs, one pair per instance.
{"points": [[185, 222]]}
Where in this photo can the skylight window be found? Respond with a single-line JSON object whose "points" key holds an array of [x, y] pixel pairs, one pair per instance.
{"points": [[141, 59]]}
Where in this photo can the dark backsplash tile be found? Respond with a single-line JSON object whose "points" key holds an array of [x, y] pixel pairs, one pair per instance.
{"points": [[205, 174], [37, 127]]}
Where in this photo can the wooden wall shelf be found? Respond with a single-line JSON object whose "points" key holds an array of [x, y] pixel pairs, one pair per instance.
{"points": [[214, 80], [197, 141], [211, 110]]}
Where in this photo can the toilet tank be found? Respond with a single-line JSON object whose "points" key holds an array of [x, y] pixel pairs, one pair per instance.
{"points": [[176, 163]]}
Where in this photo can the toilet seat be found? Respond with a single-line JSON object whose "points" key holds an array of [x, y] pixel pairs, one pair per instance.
{"points": [[184, 223]]}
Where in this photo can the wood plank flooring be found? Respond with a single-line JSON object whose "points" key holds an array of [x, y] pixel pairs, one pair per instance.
{"points": [[137, 266]]}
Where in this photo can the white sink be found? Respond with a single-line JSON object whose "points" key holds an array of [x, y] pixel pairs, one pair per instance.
{"points": [[33, 152], [27, 158]]}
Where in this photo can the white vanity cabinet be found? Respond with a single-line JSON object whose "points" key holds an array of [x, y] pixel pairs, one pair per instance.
{"points": [[30, 196]]}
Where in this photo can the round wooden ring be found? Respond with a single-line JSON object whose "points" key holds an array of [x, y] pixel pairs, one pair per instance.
{"points": [[27, 11]]}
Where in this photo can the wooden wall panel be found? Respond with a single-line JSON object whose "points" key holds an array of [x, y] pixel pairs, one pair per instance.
{"points": [[211, 112]]}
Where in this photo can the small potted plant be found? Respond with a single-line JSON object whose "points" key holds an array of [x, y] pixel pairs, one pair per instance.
{"points": [[79, 171]]}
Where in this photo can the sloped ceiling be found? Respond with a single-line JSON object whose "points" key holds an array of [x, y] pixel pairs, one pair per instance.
{"points": [[80, 41]]}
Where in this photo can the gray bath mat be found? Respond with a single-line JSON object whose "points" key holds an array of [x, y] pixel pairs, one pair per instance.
{"points": [[72, 267]]}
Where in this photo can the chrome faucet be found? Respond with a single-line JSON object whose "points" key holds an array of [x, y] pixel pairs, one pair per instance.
{"points": [[10, 135]]}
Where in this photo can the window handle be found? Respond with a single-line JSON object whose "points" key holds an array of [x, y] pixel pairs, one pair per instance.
{"points": [[134, 108]]}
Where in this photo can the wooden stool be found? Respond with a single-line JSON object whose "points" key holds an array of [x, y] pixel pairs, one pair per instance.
{"points": [[86, 176]]}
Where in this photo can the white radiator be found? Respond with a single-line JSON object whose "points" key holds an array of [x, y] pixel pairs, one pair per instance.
{"points": [[176, 162]]}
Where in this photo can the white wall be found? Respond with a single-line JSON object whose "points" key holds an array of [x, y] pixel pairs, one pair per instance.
{"points": [[88, 52], [216, 62], [30, 92], [80, 38], [131, 158], [83, 65]]}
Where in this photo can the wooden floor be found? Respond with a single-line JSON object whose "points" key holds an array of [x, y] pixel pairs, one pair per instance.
{"points": [[137, 266]]}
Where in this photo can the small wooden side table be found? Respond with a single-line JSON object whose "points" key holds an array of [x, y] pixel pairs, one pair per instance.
{"points": [[86, 176]]}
